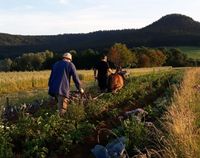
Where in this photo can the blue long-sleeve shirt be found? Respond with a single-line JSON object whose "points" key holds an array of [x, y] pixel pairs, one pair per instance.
{"points": [[59, 81]]}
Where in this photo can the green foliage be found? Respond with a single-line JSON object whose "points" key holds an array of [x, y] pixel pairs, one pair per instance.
{"points": [[176, 58], [114, 112], [75, 112], [144, 61], [120, 55], [46, 134], [86, 59], [96, 107], [135, 132], [149, 57], [191, 52], [157, 58], [6, 143], [5, 65], [81, 130], [31, 61]]}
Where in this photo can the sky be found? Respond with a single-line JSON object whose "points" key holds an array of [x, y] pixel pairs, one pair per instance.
{"points": [[52, 17]]}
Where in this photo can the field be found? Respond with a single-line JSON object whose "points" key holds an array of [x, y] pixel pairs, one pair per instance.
{"points": [[192, 52], [24, 86], [161, 130]]}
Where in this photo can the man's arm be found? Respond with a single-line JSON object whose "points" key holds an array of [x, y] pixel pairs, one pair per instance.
{"points": [[110, 70], [95, 73], [75, 77], [50, 78]]}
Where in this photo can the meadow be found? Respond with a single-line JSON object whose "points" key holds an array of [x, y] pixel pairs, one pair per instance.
{"points": [[163, 132], [191, 52]]}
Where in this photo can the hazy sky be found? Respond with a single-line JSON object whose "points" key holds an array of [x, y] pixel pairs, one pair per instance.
{"points": [[48, 17]]}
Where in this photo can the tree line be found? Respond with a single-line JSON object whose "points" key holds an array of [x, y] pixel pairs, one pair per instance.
{"points": [[118, 54]]}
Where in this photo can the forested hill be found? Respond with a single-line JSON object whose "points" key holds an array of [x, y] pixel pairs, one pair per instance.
{"points": [[170, 30], [174, 23]]}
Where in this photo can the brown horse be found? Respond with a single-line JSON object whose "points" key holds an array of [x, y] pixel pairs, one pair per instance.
{"points": [[115, 82]]}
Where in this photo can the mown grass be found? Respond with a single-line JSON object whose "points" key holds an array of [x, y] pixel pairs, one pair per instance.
{"points": [[182, 119]]}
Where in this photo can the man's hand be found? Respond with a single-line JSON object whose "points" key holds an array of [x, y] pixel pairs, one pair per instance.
{"points": [[110, 71], [81, 90]]}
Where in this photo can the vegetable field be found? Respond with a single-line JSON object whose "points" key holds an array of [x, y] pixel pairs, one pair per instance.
{"points": [[159, 95]]}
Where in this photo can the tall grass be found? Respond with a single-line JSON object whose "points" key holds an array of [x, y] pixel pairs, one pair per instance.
{"points": [[182, 117], [19, 81]]}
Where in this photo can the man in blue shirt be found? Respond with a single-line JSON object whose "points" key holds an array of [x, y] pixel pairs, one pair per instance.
{"points": [[59, 81]]}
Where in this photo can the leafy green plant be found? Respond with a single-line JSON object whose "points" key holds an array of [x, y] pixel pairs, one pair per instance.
{"points": [[95, 107], [114, 112], [81, 130], [75, 112], [6, 143], [135, 132]]}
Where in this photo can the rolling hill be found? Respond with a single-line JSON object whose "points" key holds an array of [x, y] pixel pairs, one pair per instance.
{"points": [[170, 30]]}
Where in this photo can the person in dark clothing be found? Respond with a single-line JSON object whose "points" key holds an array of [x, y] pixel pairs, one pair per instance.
{"points": [[59, 82], [101, 70]]}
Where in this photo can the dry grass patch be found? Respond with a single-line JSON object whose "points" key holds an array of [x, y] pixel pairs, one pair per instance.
{"points": [[182, 118]]}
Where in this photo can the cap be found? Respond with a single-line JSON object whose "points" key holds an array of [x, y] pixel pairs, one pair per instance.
{"points": [[67, 56]]}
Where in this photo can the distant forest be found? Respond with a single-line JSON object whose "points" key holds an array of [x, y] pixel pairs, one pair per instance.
{"points": [[118, 54], [170, 30]]}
